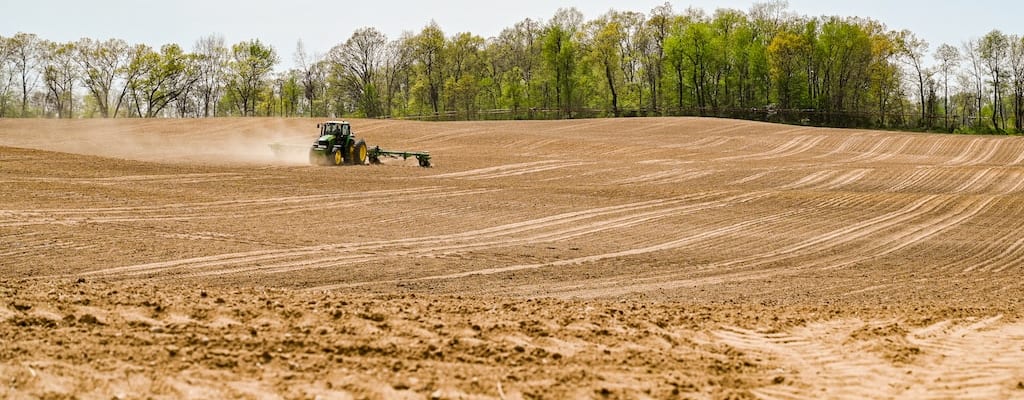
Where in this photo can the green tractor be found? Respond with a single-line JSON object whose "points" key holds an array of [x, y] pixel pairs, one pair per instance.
{"points": [[337, 145]]}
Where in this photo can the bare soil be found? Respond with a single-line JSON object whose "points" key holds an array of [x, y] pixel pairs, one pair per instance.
{"points": [[610, 258]]}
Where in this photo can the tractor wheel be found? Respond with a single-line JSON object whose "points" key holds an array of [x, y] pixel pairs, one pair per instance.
{"points": [[315, 159], [424, 162], [359, 153], [336, 157]]}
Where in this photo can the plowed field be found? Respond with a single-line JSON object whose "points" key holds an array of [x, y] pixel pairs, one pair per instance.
{"points": [[610, 258]]}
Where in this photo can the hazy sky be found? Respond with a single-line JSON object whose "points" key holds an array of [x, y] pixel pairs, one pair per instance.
{"points": [[323, 24]]}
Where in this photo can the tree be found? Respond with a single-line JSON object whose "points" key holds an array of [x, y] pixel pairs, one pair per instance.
{"points": [[972, 53], [398, 59], [59, 74], [885, 77], [465, 68], [26, 51], [428, 52], [518, 51], [784, 55], [1017, 73], [6, 74], [675, 57], [994, 49], [100, 63], [912, 53], [842, 56], [651, 46], [162, 78], [251, 62], [635, 40], [949, 59], [767, 19], [356, 63], [137, 64], [560, 55], [310, 75], [286, 92], [211, 57], [699, 50], [603, 37]]}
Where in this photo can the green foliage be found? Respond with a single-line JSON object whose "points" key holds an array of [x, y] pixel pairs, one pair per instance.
{"points": [[766, 63], [251, 62], [559, 55], [160, 78]]}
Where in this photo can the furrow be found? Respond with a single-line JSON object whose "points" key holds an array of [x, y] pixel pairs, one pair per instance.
{"points": [[436, 248], [507, 229]]}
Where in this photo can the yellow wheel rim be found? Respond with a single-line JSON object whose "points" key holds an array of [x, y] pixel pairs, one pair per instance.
{"points": [[337, 157], [362, 153]]}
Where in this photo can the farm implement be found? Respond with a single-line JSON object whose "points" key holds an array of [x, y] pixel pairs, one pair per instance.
{"points": [[337, 145]]}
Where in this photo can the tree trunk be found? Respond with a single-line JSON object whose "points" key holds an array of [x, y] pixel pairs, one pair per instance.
{"points": [[679, 76], [611, 86]]}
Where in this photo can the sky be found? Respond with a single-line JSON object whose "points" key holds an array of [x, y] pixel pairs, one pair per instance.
{"points": [[323, 24]]}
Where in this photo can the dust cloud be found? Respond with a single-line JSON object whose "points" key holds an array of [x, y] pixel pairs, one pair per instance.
{"points": [[235, 141]]}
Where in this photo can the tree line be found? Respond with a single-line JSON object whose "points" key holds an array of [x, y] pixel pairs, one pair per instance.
{"points": [[763, 63]]}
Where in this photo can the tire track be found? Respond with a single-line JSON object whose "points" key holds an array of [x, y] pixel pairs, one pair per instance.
{"points": [[702, 236], [753, 267], [998, 255], [845, 146], [816, 360], [1013, 182], [751, 178], [138, 179], [810, 180], [659, 247], [705, 235], [524, 171], [37, 243], [218, 209], [691, 239], [874, 151], [967, 156], [490, 232], [1019, 160], [496, 170], [795, 146], [435, 248], [917, 234], [988, 155], [699, 144], [663, 177], [1001, 248], [846, 179], [915, 178], [890, 154], [968, 360]]}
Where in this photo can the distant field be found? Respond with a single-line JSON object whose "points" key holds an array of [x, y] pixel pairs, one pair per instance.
{"points": [[633, 258]]}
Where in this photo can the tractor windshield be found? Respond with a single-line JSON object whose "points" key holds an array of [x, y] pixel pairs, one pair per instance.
{"points": [[335, 129]]}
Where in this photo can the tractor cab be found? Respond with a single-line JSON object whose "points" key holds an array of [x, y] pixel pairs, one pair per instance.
{"points": [[337, 145], [335, 128]]}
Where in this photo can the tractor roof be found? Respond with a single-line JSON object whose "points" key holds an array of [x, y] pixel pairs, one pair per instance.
{"points": [[336, 122]]}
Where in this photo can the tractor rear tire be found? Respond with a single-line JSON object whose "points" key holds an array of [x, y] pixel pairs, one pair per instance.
{"points": [[336, 157], [359, 153], [424, 162]]}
